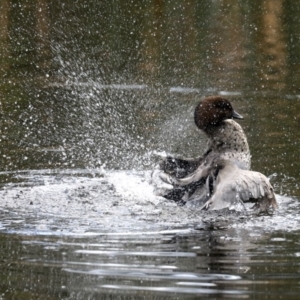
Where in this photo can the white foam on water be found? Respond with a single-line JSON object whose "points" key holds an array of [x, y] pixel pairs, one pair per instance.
{"points": [[133, 186], [114, 201]]}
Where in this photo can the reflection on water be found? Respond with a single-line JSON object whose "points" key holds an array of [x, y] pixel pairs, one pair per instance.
{"points": [[273, 46], [77, 234], [88, 87], [164, 265]]}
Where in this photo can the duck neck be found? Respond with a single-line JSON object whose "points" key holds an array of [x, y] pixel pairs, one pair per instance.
{"points": [[229, 136]]}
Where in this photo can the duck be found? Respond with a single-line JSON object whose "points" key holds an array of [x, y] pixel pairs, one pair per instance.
{"points": [[221, 177]]}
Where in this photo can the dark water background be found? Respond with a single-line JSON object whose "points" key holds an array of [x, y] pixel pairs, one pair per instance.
{"points": [[87, 85]]}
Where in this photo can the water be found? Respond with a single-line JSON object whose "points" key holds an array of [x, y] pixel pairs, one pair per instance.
{"points": [[90, 92]]}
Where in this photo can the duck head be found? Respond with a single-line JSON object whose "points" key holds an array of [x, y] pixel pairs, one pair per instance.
{"points": [[212, 111]]}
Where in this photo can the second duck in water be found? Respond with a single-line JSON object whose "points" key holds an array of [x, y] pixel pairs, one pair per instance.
{"points": [[221, 177]]}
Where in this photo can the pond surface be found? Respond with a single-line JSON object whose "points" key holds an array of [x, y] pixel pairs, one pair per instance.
{"points": [[91, 92]]}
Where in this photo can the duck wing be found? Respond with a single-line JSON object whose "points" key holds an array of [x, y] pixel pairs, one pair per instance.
{"points": [[166, 178], [181, 167], [254, 186], [234, 185]]}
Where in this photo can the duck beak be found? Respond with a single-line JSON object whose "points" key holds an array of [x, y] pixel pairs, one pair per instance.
{"points": [[236, 115]]}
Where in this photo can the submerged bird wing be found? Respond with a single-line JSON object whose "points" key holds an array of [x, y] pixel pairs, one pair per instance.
{"points": [[200, 196]]}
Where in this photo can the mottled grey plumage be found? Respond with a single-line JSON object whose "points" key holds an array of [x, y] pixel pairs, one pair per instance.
{"points": [[230, 142]]}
